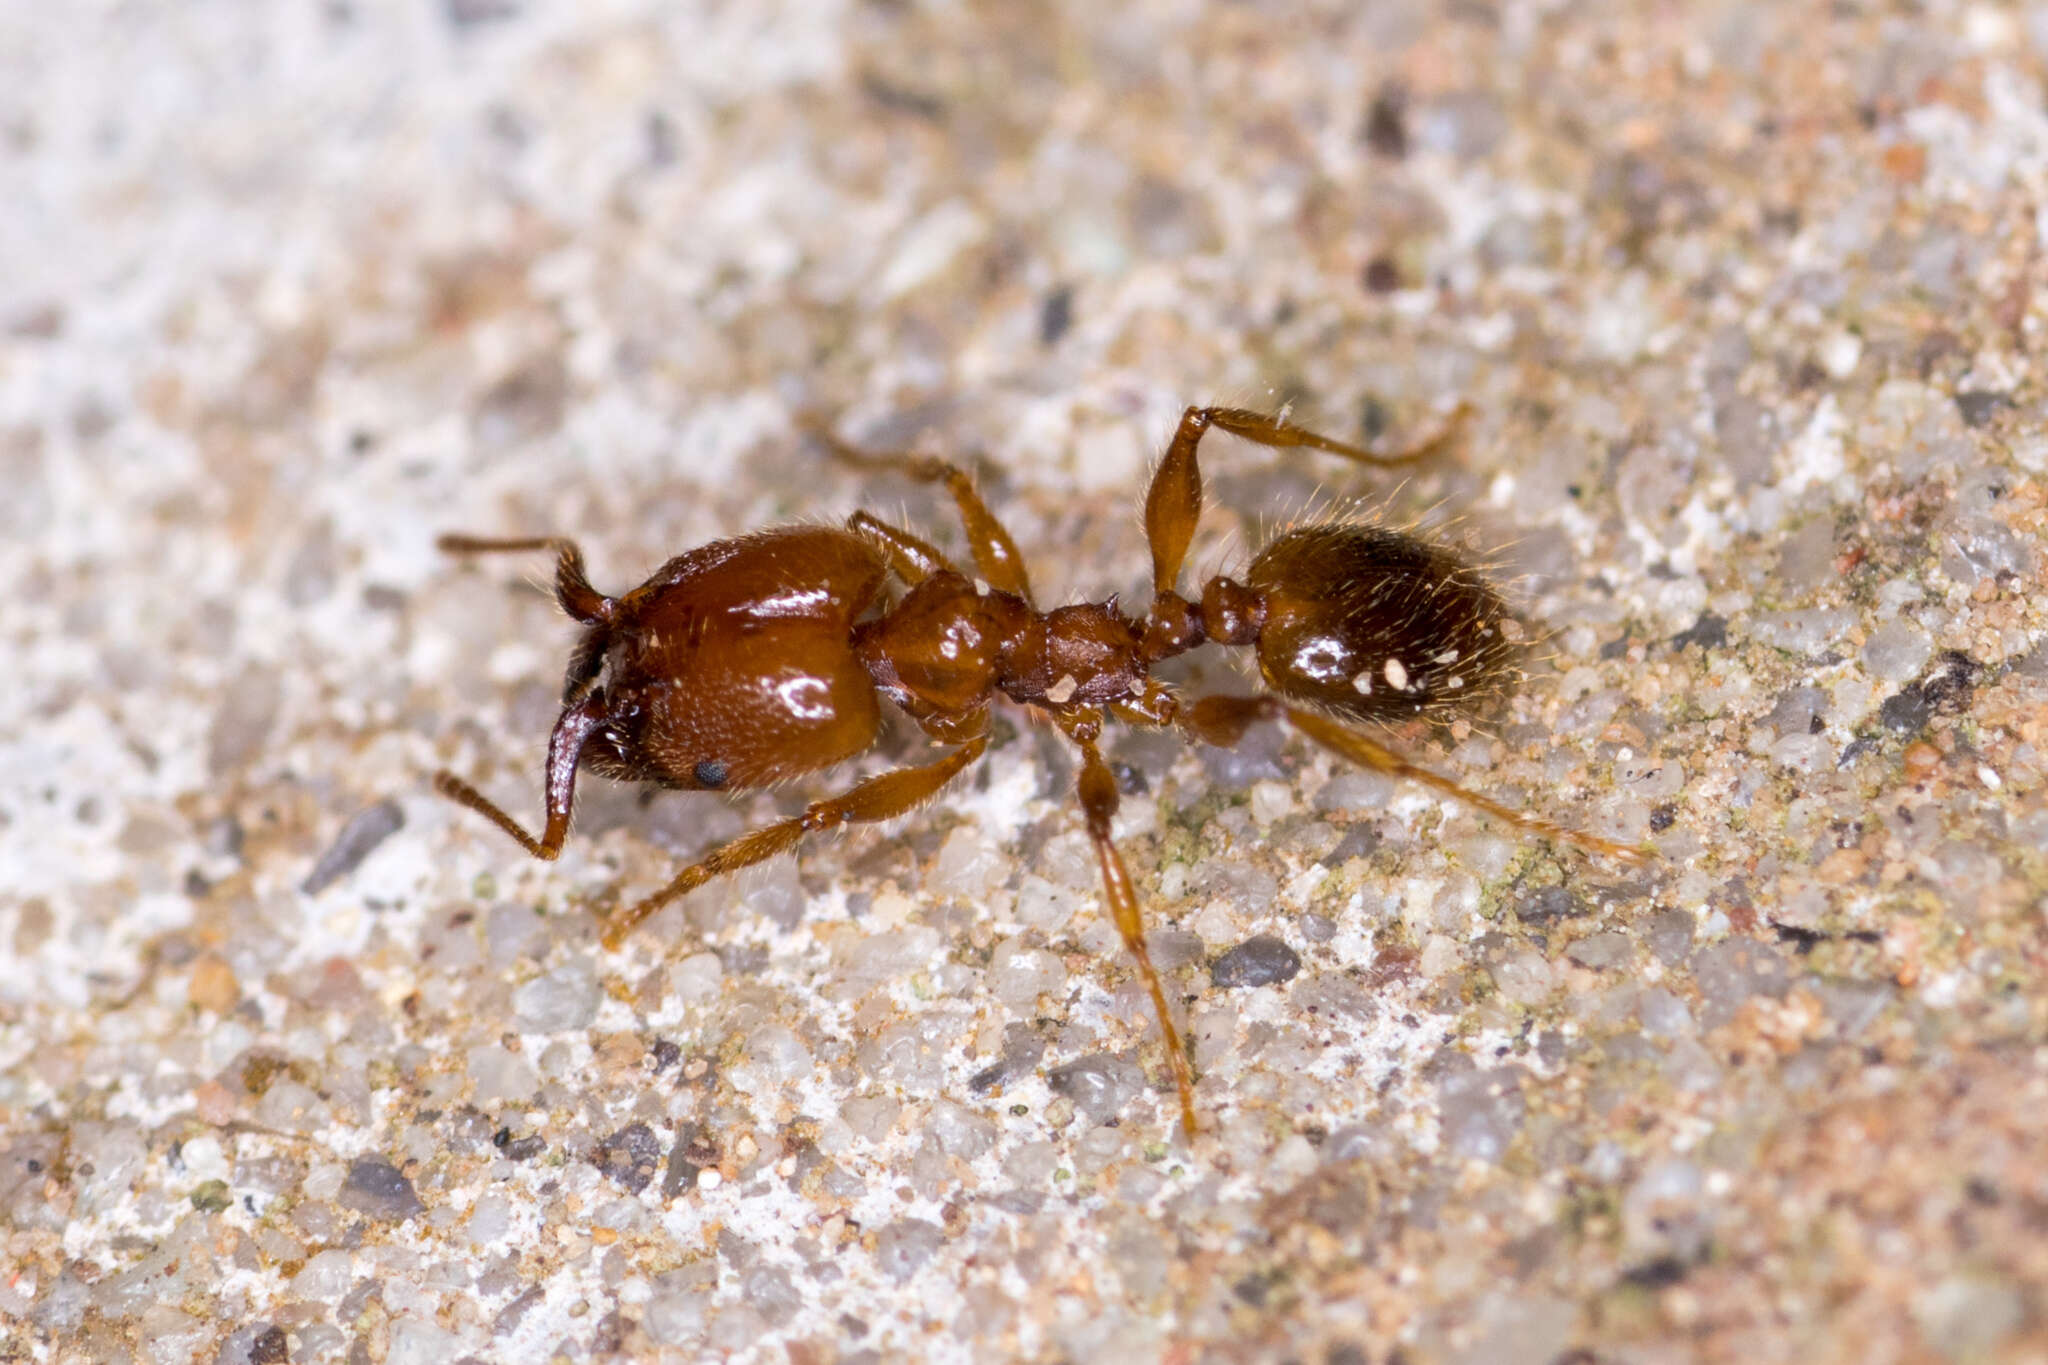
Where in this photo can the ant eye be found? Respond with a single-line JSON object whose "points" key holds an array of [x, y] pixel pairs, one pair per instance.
{"points": [[710, 773]]}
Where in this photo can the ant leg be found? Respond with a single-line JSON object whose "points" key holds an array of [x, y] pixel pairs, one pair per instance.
{"points": [[565, 751], [882, 797], [572, 589], [912, 559], [1222, 721], [1174, 502], [995, 554], [1274, 431], [1099, 800]]}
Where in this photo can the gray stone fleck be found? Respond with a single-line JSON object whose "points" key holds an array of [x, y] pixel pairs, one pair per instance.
{"points": [[1797, 709], [1608, 948], [1966, 1316], [1022, 1049], [1808, 631], [378, 1188], [1897, 650], [1732, 971], [1669, 934], [1547, 903], [508, 1318], [773, 1295], [1852, 1006], [1099, 1085], [1482, 1110], [905, 1245], [358, 839], [1663, 1014], [563, 999], [1262, 960], [242, 722], [513, 932]]}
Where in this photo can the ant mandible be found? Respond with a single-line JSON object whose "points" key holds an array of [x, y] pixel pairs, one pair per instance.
{"points": [[752, 660]]}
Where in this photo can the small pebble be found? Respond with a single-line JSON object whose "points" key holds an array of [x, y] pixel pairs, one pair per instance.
{"points": [[772, 1294], [630, 1156], [359, 838], [1897, 650], [213, 986], [1606, 949], [1546, 903], [1809, 631], [1099, 1086], [903, 1246], [1019, 974], [1525, 977], [376, 1187], [241, 724], [565, 998], [1481, 1110], [1263, 960]]}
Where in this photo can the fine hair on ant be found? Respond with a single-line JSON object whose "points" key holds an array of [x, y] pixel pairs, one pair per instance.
{"points": [[752, 660]]}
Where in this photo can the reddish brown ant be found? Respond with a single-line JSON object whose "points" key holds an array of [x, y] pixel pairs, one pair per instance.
{"points": [[752, 660]]}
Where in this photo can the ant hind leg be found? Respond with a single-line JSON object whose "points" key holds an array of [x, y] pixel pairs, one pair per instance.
{"points": [[1222, 721], [1173, 503]]}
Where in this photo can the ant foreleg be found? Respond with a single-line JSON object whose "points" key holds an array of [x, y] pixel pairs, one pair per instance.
{"points": [[882, 797], [1099, 800], [1173, 504], [995, 554], [572, 589], [565, 751], [1222, 721]]}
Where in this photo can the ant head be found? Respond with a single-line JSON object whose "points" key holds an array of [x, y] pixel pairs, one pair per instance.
{"points": [[1378, 625]]}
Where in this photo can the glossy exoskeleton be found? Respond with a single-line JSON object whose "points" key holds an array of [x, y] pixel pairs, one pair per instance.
{"points": [[752, 660]]}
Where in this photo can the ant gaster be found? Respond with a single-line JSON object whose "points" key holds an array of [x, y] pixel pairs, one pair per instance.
{"points": [[752, 660]]}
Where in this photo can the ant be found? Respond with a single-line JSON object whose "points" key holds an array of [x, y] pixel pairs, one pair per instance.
{"points": [[749, 661]]}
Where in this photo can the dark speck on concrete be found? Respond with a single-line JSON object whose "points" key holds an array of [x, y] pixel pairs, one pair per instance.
{"points": [[270, 1348], [1978, 406], [1547, 903], [1709, 632], [359, 838], [1022, 1050], [1359, 841], [380, 1189], [1947, 688], [1263, 960], [1386, 124], [1658, 1273], [463, 14], [630, 1156], [520, 1149], [693, 1152], [1056, 316]]}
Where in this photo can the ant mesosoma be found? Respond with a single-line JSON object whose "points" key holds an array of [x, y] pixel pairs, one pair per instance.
{"points": [[749, 661]]}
